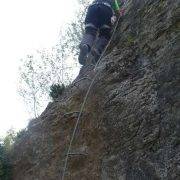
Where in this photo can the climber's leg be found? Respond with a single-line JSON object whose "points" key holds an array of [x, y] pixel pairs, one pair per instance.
{"points": [[99, 47], [85, 47], [102, 41], [104, 32], [91, 27]]}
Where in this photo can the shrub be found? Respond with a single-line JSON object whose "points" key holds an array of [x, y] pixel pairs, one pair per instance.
{"points": [[6, 149], [5, 165], [56, 90], [20, 135]]}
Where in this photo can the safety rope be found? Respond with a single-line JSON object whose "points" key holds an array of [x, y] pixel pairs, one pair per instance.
{"points": [[85, 99]]}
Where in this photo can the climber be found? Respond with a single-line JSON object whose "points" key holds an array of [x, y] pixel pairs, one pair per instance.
{"points": [[99, 19]]}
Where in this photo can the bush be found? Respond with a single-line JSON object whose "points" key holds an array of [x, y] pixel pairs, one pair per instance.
{"points": [[6, 149], [20, 135], [5, 165], [56, 90]]}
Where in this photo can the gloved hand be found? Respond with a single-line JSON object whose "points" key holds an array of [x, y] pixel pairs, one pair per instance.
{"points": [[113, 19]]}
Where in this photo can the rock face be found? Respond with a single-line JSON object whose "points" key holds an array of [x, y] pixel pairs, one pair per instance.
{"points": [[130, 127]]}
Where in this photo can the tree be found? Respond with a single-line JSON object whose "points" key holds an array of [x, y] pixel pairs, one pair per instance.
{"points": [[6, 145], [40, 70], [6, 149], [29, 86]]}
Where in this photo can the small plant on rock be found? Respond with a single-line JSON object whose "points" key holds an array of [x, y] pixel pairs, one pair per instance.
{"points": [[56, 90]]}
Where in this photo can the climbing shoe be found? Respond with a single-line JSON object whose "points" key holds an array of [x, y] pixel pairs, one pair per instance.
{"points": [[84, 50]]}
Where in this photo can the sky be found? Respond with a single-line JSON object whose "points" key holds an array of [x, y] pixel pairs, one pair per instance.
{"points": [[25, 25]]}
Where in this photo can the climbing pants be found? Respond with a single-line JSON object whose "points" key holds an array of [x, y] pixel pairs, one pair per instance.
{"points": [[99, 18], [98, 21]]}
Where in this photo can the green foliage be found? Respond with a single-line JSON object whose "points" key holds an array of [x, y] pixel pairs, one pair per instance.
{"points": [[9, 140], [5, 165], [56, 90], [6, 148], [130, 39], [20, 135], [56, 65]]}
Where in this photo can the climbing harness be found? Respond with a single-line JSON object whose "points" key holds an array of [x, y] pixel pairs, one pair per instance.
{"points": [[84, 101]]}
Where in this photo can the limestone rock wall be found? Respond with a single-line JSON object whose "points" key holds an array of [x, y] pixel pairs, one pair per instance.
{"points": [[130, 127]]}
